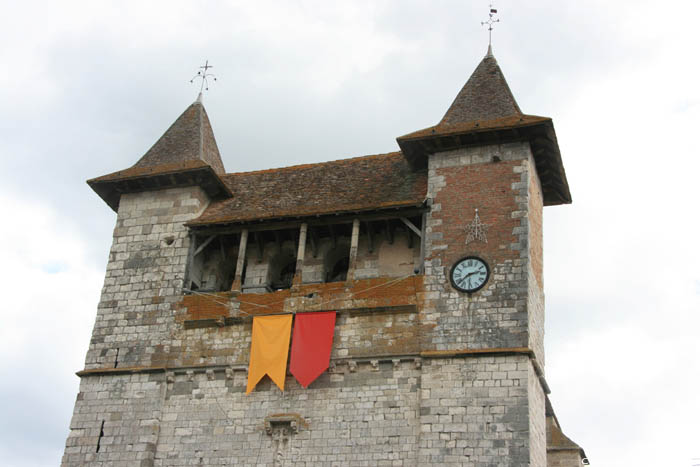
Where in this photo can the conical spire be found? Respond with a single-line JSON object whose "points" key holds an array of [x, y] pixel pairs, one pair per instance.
{"points": [[190, 138], [485, 96], [485, 112], [186, 155]]}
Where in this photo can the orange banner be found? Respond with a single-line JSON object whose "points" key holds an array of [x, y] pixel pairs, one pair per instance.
{"points": [[269, 348]]}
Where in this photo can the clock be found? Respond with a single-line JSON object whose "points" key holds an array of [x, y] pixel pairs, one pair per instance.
{"points": [[469, 274]]}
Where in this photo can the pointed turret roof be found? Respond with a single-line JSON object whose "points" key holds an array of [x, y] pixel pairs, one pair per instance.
{"points": [[186, 155], [189, 138], [485, 112], [485, 96]]}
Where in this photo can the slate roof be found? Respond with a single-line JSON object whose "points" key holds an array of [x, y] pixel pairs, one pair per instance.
{"points": [[485, 96], [485, 112], [178, 174], [189, 138], [556, 439], [185, 155], [349, 185]]}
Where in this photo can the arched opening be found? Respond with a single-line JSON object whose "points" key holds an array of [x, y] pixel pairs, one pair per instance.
{"points": [[282, 268], [339, 271], [336, 263]]}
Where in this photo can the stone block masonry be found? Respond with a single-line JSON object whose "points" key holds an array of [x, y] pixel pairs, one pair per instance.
{"points": [[420, 374], [459, 411], [496, 180], [144, 276]]}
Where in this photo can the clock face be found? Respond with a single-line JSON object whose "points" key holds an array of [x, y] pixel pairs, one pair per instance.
{"points": [[469, 274]]}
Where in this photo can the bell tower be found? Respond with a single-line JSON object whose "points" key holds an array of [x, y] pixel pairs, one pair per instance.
{"points": [[409, 283]]}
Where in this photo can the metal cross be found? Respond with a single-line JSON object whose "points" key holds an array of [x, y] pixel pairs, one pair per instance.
{"points": [[204, 75], [491, 21]]}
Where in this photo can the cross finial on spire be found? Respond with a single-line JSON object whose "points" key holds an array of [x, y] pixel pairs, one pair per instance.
{"points": [[491, 21], [202, 73]]}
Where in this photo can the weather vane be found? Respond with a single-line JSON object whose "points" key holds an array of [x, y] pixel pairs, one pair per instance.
{"points": [[204, 75], [491, 21]]}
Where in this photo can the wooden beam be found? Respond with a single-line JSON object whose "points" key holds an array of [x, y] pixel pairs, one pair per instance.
{"points": [[354, 239], [326, 220], [389, 231], [260, 244], [190, 259], [334, 239], [410, 225], [301, 251], [424, 221], [313, 236], [278, 241], [204, 245], [237, 281], [370, 238]]}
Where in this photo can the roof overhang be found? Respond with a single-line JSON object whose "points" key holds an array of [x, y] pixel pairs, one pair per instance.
{"points": [[538, 131], [139, 179], [312, 219]]}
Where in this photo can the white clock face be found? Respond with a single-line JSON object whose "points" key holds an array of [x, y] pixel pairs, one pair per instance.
{"points": [[469, 274]]}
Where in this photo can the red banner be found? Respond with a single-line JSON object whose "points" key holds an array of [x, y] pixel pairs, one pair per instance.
{"points": [[311, 345]]}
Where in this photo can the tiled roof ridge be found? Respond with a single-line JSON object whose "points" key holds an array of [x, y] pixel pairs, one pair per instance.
{"points": [[370, 182], [312, 164]]}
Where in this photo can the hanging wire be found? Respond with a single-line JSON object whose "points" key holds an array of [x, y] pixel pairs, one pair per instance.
{"points": [[216, 298]]}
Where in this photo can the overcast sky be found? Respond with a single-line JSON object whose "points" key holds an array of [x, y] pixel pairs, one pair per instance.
{"points": [[87, 87]]}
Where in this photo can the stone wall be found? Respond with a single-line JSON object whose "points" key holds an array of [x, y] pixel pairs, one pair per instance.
{"points": [[361, 414], [420, 373], [501, 182], [474, 411], [116, 421], [144, 276], [536, 418], [494, 180], [458, 411], [535, 270]]}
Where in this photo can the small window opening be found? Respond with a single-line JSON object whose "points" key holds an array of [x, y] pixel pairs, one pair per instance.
{"points": [[116, 358]]}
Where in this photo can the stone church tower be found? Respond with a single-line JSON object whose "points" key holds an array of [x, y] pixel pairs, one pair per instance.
{"points": [[430, 257]]}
